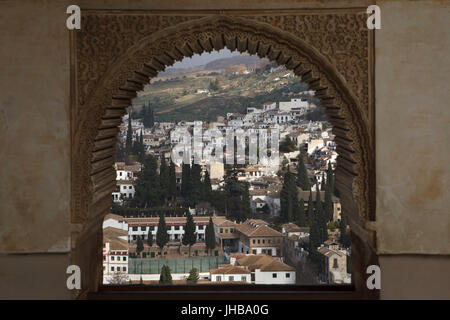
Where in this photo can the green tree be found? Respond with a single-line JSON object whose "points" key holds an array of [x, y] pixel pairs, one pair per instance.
{"points": [[129, 139], [148, 118], [148, 190], [321, 219], [139, 245], [185, 180], [150, 238], [189, 237], [172, 182], [193, 276], [164, 179], [289, 198], [210, 236], [301, 216], [165, 276], [328, 202], [287, 145], [162, 237], [207, 189], [302, 175], [196, 188]]}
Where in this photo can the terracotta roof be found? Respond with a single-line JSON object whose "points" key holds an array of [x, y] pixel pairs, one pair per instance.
{"points": [[263, 262], [257, 192], [223, 222], [111, 233], [292, 227], [117, 244], [277, 265], [257, 228], [230, 269], [113, 216], [328, 252]]}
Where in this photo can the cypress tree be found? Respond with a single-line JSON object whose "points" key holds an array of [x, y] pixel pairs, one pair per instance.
{"points": [[301, 215], [246, 210], [328, 204], [322, 185], [150, 238], [129, 139], [207, 189], [289, 198], [189, 237], [151, 117], [310, 208], [302, 174], [162, 237], [164, 179], [139, 245], [148, 190], [210, 236], [321, 219], [172, 182], [165, 276], [185, 180], [193, 276], [195, 190]]}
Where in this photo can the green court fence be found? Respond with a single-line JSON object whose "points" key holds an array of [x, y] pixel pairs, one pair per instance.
{"points": [[178, 265]]}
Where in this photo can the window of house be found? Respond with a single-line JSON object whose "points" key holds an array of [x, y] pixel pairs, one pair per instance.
{"points": [[288, 275], [254, 241], [200, 227], [112, 258], [218, 278], [221, 230], [143, 228], [274, 275], [135, 228], [231, 278], [335, 263], [112, 268], [124, 258], [177, 227], [244, 278], [152, 228]]}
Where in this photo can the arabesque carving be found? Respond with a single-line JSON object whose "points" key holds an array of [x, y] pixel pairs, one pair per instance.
{"points": [[116, 54]]}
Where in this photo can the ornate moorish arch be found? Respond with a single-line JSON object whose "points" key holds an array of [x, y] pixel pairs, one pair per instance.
{"points": [[116, 54]]}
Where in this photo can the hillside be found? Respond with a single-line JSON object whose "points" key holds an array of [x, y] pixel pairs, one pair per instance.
{"points": [[188, 97], [220, 64]]}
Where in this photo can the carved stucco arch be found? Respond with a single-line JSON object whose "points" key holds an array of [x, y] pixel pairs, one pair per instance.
{"points": [[102, 101]]}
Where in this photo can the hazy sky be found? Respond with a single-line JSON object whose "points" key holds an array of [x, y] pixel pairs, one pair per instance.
{"points": [[198, 60]]}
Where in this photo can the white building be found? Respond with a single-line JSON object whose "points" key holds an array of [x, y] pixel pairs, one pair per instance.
{"points": [[175, 227], [265, 269], [230, 273]]}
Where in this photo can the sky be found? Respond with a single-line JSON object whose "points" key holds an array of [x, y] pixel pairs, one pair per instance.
{"points": [[198, 60]]}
